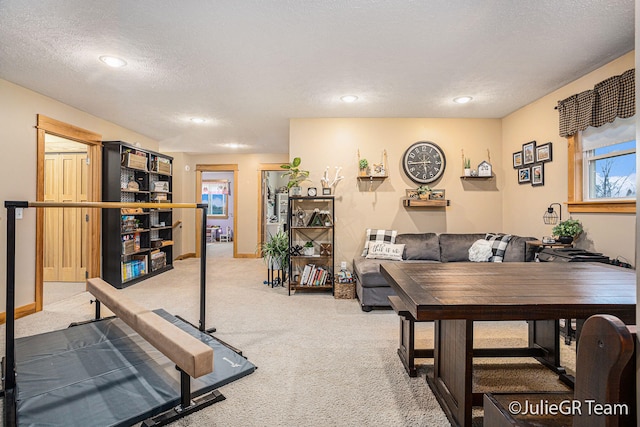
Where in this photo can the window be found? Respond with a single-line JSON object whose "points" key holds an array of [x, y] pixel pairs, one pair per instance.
{"points": [[609, 161], [215, 195], [602, 168]]}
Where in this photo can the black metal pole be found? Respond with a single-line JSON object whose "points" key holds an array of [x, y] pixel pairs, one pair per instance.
{"points": [[10, 409], [10, 357], [203, 268]]}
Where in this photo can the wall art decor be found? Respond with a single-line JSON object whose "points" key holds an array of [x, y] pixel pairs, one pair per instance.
{"points": [[524, 175], [537, 174], [544, 153], [528, 153]]}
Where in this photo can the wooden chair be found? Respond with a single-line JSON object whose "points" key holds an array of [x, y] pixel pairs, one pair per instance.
{"points": [[605, 374], [226, 235]]}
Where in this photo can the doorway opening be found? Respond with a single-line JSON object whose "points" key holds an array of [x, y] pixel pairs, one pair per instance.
{"points": [[65, 230], [217, 187], [67, 240], [274, 200]]}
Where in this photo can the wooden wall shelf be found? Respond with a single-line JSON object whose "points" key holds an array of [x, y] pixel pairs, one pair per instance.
{"points": [[478, 177], [372, 177], [418, 203]]}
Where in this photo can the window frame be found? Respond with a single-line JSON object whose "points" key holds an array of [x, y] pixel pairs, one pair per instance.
{"points": [[575, 175]]}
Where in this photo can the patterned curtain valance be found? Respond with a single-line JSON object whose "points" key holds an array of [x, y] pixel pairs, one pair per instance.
{"points": [[611, 98]]}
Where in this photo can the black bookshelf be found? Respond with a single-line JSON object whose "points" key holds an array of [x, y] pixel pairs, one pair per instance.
{"points": [[136, 243]]}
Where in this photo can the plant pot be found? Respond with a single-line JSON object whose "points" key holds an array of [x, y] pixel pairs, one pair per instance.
{"points": [[467, 172], [308, 251], [565, 240], [424, 196], [363, 172], [296, 190]]}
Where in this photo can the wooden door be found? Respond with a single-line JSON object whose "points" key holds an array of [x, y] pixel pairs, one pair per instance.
{"points": [[65, 237]]}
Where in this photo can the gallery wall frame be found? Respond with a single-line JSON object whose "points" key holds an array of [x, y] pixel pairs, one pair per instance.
{"points": [[537, 174]]}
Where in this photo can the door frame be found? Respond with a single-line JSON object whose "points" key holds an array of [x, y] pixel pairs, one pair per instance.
{"points": [[263, 167], [217, 168], [94, 153]]}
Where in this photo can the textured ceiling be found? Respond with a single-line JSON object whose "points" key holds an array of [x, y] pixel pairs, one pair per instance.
{"points": [[249, 66]]}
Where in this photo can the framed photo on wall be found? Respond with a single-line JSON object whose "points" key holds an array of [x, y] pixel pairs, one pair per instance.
{"points": [[412, 193], [529, 153], [537, 174], [436, 195], [544, 153], [517, 160], [524, 175]]}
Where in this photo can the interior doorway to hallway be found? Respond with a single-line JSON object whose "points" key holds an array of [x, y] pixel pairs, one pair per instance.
{"points": [[274, 199], [67, 240], [217, 187]]}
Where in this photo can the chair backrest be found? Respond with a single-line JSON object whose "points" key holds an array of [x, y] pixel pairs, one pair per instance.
{"points": [[605, 370]]}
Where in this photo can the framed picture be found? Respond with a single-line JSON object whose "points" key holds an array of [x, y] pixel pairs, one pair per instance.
{"points": [[537, 174], [544, 153], [412, 193], [517, 160], [326, 191], [436, 195], [524, 175], [529, 153]]}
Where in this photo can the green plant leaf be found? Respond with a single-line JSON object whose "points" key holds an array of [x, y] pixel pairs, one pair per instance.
{"points": [[296, 162]]}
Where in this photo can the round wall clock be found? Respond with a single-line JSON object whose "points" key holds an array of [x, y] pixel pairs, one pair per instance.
{"points": [[424, 162]]}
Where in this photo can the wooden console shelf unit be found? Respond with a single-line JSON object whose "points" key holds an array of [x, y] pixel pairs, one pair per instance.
{"points": [[311, 219], [419, 203]]}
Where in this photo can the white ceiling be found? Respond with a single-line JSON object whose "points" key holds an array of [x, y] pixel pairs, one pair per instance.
{"points": [[248, 66]]}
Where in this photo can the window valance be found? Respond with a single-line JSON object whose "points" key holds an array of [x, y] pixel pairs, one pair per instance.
{"points": [[611, 98]]}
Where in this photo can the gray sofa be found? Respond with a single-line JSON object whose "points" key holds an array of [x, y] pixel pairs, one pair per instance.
{"points": [[372, 289]]}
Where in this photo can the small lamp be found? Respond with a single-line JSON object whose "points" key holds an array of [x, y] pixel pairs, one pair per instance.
{"points": [[550, 217]]}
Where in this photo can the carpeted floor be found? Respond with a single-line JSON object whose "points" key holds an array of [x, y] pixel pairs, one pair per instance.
{"points": [[321, 361]]}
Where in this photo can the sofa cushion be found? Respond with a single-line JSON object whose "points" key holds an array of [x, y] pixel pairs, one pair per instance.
{"points": [[384, 250], [420, 246], [518, 251], [455, 247], [376, 235], [367, 272]]}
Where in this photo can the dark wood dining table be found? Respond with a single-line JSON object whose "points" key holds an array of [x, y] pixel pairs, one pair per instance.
{"points": [[454, 295]]}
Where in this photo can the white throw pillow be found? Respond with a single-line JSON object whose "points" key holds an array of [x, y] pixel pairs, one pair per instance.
{"points": [[374, 235], [383, 250], [480, 251]]}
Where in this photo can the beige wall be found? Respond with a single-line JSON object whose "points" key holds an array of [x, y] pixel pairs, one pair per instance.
{"points": [[497, 205], [475, 206], [18, 111], [248, 197], [611, 234]]}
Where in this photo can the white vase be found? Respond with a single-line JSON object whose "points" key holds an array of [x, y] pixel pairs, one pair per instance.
{"points": [[467, 172], [308, 251]]}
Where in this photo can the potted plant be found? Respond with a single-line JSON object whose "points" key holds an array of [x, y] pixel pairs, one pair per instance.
{"points": [[423, 192], [276, 250], [308, 248], [296, 175], [364, 165], [467, 167], [567, 230]]}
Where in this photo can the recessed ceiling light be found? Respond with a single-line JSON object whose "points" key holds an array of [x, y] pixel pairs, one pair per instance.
{"points": [[198, 120], [113, 61], [234, 145], [462, 99], [349, 98]]}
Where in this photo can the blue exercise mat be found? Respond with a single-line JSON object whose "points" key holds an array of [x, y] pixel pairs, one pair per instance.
{"points": [[104, 374]]}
